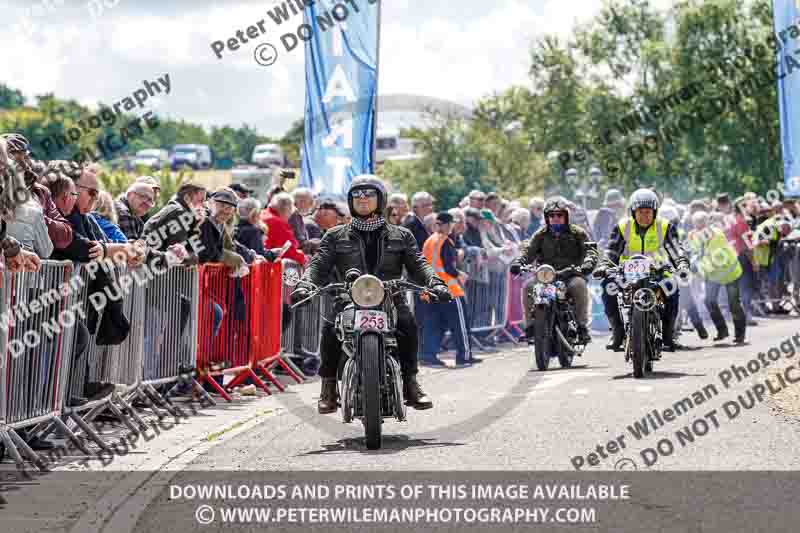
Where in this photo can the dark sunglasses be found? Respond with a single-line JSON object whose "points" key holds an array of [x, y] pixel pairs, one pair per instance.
{"points": [[364, 193]]}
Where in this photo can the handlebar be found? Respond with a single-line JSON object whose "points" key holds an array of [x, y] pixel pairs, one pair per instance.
{"points": [[391, 286]]}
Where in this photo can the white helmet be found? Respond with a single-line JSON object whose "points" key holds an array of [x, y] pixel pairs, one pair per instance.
{"points": [[643, 198]]}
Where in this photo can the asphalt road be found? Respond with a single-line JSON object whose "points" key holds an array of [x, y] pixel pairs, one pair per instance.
{"points": [[500, 415], [495, 416]]}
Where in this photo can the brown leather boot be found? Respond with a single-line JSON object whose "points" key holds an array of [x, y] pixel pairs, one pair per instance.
{"points": [[415, 396], [327, 397]]}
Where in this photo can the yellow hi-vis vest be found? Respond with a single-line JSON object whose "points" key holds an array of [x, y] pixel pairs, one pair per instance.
{"points": [[718, 262], [761, 252], [432, 250], [653, 245]]}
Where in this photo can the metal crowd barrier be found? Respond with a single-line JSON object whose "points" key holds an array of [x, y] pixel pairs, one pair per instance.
{"points": [[224, 346], [120, 365], [266, 341], [36, 337], [488, 304], [169, 340], [302, 328]]}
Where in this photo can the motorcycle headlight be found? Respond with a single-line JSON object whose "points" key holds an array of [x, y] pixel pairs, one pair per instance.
{"points": [[367, 291], [545, 274]]}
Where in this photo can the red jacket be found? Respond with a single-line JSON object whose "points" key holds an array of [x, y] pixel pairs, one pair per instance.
{"points": [[278, 232]]}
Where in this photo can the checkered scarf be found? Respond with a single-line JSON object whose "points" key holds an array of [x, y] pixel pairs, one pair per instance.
{"points": [[368, 225]]}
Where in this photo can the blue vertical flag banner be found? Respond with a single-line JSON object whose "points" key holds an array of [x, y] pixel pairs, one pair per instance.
{"points": [[787, 15], [341, 57]]}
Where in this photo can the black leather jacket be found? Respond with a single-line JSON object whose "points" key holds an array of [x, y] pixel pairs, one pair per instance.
{"points": [[342, 248]]}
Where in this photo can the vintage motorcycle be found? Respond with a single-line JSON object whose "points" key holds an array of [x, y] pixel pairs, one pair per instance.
{"points": [[638, 283], [552, 310], [371, 385]]}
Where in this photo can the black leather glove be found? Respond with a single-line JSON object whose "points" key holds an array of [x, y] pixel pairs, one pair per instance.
{"points": [[442, 293], [299, 295], [515, 269], [599, 273], [586, 269], [342, 300], [564, 272]]}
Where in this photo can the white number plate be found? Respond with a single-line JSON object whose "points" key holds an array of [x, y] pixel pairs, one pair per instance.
{"points": [[372, 320], [636, 269], [547, 291]]}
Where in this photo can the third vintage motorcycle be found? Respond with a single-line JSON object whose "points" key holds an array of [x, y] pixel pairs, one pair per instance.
{"points": [[639, 287]]}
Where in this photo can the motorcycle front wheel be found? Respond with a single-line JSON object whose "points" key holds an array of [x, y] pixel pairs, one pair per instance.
{"points": [[639, 343], [371, 389], [543, 342], [566, 353]]}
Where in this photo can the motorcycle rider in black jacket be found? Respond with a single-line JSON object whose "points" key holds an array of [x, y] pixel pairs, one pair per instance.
{"points": [[373, 246]]}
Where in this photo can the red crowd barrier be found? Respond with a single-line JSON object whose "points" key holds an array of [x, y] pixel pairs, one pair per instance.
{"points": [[247, 339]]}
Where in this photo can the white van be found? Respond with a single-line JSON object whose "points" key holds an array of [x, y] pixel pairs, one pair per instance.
{"points": [[196, 156], [265, 155], [389, 144]]}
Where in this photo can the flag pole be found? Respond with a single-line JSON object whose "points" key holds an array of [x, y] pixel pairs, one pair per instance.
{"points": [[373, 162]]}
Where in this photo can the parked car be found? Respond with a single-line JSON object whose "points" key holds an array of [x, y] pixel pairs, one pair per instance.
{"points": [[152, 158], [265, 155], [196, 156]]}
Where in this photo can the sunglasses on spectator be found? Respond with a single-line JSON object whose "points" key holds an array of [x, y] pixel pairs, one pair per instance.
{"points": [[92, 192], [364, 193]]}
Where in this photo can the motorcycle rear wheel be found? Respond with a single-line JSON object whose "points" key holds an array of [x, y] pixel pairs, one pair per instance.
{"points": [[371, 389]]}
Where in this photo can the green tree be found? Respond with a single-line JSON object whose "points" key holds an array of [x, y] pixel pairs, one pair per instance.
{"points": [[10, 98]]}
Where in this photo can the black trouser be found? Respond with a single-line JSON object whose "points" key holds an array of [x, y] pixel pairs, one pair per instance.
{"points": [[330, 349], [80, 360]]}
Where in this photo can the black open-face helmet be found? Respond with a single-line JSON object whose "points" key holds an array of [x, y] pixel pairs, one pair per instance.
{"points": [[367, 181], [555, 204]]}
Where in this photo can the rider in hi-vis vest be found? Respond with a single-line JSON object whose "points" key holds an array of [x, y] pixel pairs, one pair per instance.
{"points": [[718, 263], [643, 233], [440, 252]]}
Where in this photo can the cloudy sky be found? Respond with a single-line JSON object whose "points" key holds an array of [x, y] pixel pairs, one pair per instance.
{"points": [[428, 47]]}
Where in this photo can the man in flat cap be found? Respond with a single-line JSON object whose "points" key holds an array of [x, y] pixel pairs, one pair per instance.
{"points": [[435, 318], [241, 191]]}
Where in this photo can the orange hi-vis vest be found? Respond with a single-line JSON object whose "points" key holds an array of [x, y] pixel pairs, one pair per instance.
{"points": [[432, 250]]}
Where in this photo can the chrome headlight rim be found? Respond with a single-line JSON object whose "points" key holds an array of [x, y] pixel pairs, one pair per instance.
{"points": [[545, 274], [367, 291]]}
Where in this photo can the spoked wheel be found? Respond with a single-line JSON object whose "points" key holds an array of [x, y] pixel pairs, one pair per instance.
{"points": [[566, 352], [639, 343], [371, 389], [542, 345]]}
